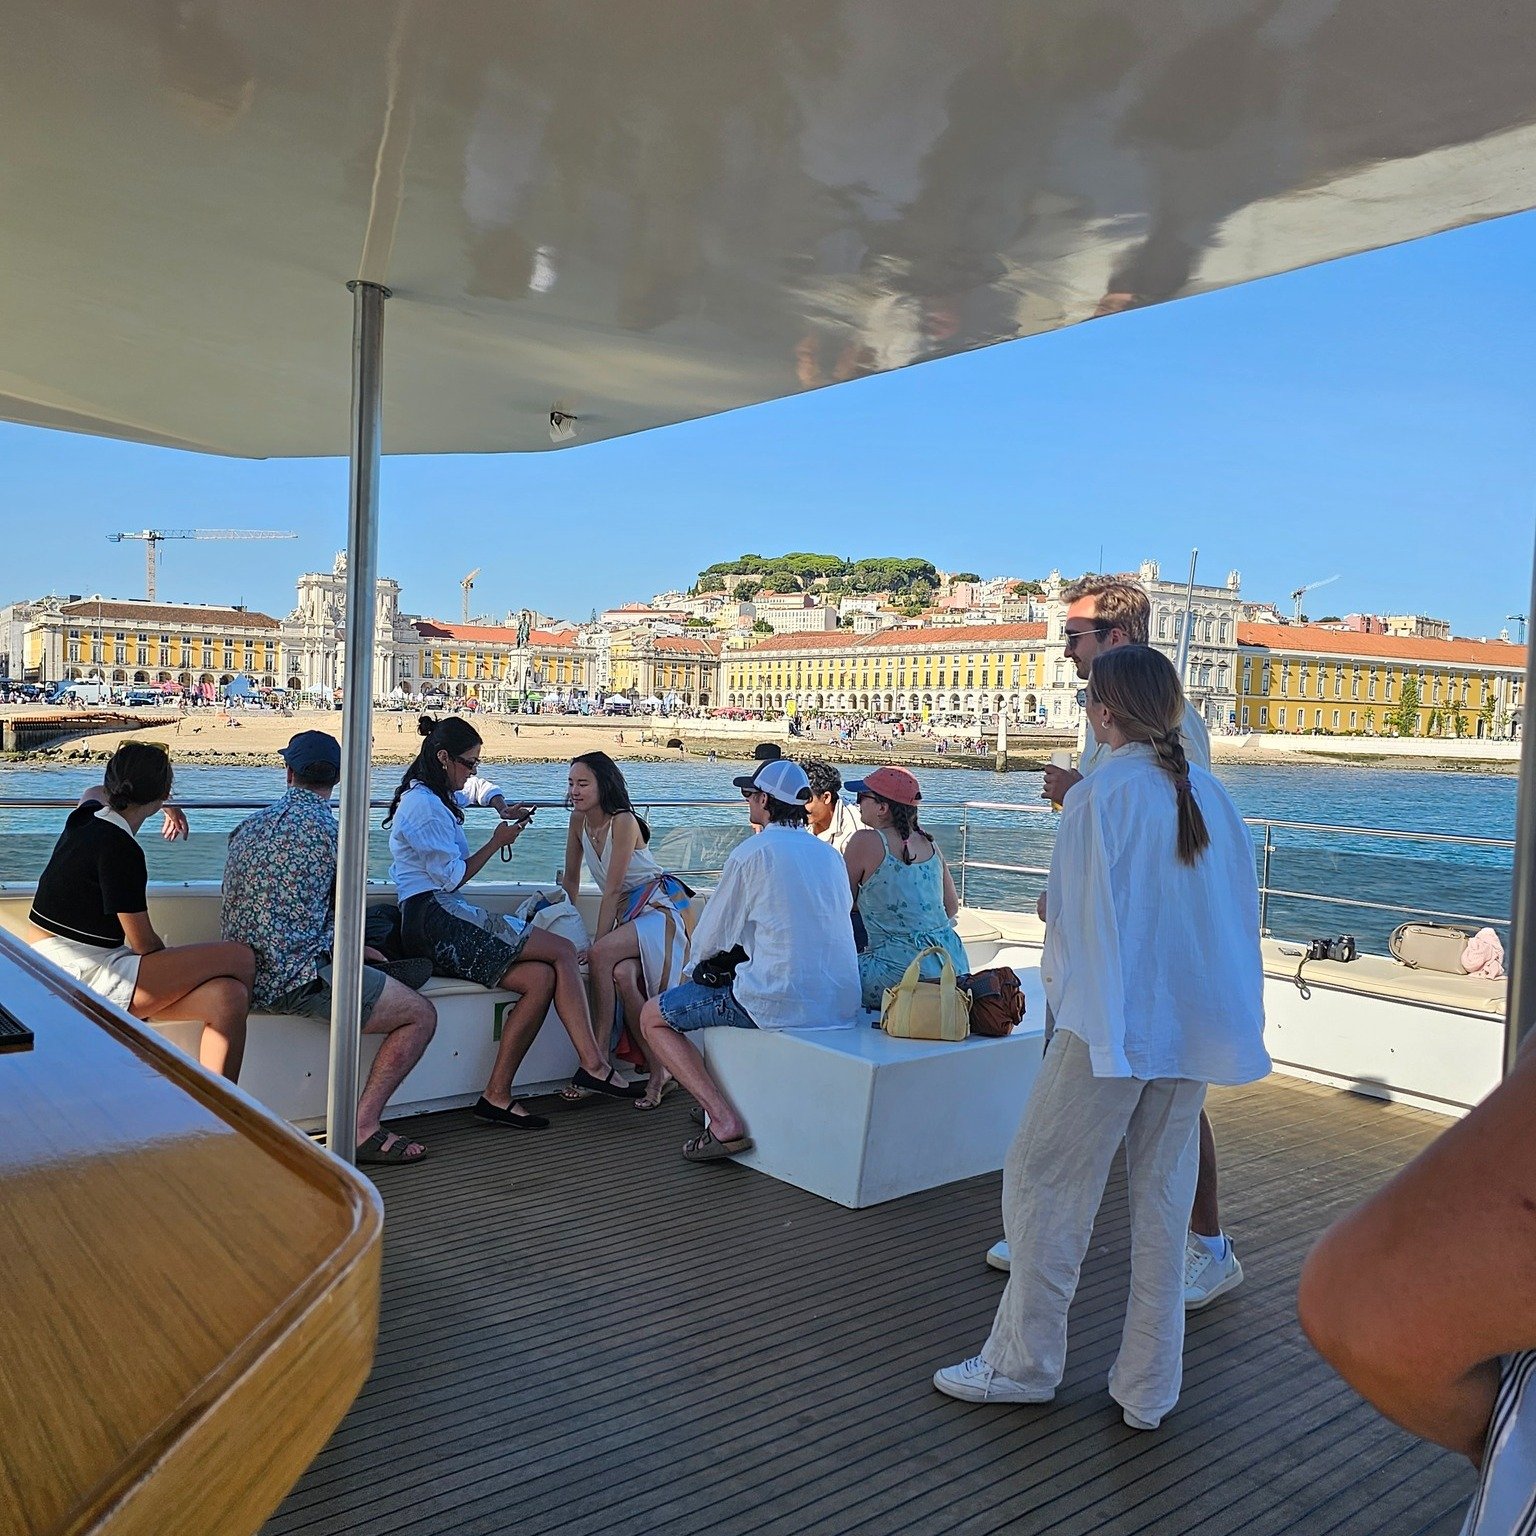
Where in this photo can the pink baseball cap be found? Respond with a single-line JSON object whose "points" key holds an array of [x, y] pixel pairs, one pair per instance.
{"points": [[894, 784]]}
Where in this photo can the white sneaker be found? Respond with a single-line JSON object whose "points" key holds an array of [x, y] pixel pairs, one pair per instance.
{"points": [[974, 1381], [1135, 1421], [1206, 1277], [998, 1257]]}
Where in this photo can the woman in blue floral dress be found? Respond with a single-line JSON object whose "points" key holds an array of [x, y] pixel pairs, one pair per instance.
{"points": [[901, 885]]}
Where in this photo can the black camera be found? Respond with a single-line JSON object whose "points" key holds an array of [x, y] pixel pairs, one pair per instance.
{"points": [[1341, 948]]}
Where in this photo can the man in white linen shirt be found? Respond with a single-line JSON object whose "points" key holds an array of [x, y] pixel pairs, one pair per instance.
{"points": [[1102, 613], [783, 899]]}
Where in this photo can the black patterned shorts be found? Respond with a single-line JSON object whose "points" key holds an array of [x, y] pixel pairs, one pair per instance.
{"points": [[455, 947]]}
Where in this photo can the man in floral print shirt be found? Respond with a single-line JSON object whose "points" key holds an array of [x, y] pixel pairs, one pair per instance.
{"points": [[279, 885]]}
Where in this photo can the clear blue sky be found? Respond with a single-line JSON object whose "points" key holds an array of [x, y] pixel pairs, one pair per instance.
{"points": [[1372, 418]]}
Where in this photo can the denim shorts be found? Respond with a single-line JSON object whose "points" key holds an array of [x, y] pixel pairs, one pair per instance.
{"points": [[692, 1006]]}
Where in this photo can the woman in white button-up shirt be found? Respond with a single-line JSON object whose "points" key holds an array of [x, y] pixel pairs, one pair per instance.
{"points": [[1153, 974], [432, 862]]}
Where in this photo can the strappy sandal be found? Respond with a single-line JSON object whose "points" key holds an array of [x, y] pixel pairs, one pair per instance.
{"points": [[374, 1151], [706, 1147], [653, 1101]]}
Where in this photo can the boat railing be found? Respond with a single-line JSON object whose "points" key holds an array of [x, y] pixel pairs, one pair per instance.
{"points": [[1309, 873]]}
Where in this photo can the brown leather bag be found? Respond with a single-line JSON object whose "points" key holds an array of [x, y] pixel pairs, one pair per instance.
{"points": [[997, 1000]]}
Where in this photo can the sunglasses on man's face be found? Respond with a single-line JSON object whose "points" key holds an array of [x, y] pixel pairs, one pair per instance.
{"points": [[1070, 637]]}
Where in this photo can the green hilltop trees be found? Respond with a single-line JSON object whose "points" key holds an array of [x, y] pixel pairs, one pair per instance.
{"points": [[908, 581]]}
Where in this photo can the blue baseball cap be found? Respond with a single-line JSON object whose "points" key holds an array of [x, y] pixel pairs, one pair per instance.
{"points": [[310, 750]]}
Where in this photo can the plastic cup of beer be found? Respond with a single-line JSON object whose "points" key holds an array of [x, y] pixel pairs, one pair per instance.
{"points": [[1060, 759]]}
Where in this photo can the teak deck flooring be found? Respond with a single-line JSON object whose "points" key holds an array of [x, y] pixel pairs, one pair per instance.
{"points": [[583, 1334]]}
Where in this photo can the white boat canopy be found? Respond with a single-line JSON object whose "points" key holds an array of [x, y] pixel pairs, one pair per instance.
{"points": [[595, 217], [637, 212]]}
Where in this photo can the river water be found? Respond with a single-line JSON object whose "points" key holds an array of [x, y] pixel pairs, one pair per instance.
{"points": [[1465, 880]]}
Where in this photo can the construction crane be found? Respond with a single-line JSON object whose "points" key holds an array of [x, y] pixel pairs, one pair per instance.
{"points": [[154, 537], [1301, 592], [467, 586], [1519, 619]]}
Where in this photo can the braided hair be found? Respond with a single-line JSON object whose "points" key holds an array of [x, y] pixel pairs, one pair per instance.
{"points": [[904, 823], [451, 735], [1140, 688]]}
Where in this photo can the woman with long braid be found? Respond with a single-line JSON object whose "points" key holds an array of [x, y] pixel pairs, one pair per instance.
{"points": [[432, 862], [1152, 971], [900, 883]]}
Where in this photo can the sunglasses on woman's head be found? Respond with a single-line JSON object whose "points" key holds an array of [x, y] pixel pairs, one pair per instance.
{"points": [[464, 762]]}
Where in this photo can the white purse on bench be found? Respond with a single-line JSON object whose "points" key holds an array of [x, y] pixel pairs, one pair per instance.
{"points": [[1429, 947]]}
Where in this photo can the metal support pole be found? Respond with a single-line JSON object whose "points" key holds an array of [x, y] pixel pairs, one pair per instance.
{"points": [[1186, 629], [357, 716], [1269, 848], [1520, 1000]]}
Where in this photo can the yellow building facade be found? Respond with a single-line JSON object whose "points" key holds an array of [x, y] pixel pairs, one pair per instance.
{"points": [[128, 642], [485, 662], [1305, 679], [684, 668], [936, 672]]}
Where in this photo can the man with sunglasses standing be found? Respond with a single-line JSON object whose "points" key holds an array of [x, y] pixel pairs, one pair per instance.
{"points": [[1102, 613]]}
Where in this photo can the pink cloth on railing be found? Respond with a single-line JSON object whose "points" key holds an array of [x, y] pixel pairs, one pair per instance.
{"points": [[1484, 955]]}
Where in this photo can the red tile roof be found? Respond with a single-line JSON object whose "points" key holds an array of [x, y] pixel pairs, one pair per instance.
{"points": [[808, 640], [688, 645], [945, 635], [1313, 639], [96, 610], [490, 634], [955, 634]]}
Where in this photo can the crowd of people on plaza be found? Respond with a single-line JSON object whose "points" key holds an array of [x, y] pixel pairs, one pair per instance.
{"points": [[1151, 968]]}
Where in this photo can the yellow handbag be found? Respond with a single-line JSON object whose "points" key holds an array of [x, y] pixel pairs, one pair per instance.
{"points": [[915, 1009]]}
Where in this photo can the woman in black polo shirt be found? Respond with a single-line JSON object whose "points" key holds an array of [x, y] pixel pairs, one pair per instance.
{"points": [[90, 917]]}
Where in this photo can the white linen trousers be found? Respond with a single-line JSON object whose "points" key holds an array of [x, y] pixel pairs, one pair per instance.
{"points": [[1053, 1182]]}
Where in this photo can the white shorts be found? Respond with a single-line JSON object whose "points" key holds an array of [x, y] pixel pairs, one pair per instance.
{"points": [[109, 973]]}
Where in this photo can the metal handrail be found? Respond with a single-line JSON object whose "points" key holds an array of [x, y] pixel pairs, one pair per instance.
{"points": [[967, 864], [1266, 850], [1387, 906], [29, 803]]}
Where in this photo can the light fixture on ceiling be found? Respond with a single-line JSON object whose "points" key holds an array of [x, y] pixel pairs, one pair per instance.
{"points": [[562, 427]]}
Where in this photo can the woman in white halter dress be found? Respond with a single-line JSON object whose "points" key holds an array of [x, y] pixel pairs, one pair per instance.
{"points": [[641, 944]]}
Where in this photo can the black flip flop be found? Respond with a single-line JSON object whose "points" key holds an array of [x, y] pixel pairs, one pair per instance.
{"points": [[613, 1087], [494, 1114]]}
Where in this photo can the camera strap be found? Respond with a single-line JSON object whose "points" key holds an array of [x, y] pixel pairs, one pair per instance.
{"points": [[1301, 986]]}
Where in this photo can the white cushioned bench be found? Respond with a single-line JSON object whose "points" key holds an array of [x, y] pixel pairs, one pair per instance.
{"points": [[857, 1117], [286, 1058]]}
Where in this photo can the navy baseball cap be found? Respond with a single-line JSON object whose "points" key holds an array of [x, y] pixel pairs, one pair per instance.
{"points": [[310, 750]]}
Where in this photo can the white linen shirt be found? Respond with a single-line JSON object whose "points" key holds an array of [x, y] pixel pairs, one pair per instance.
{"points": [[1154, 963], [783, 896], [427, 842]]}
